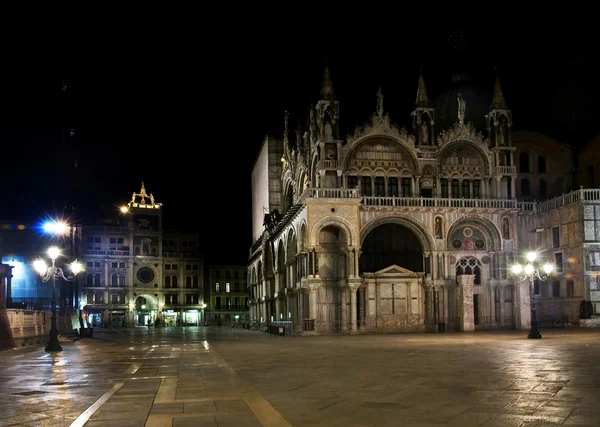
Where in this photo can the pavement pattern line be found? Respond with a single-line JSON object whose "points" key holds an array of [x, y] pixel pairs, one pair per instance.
{"points": [[87, 414], [262, 409]]}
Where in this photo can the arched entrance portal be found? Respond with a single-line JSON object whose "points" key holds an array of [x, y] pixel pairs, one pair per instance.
{"points": [[145, 311], [390, 244]]}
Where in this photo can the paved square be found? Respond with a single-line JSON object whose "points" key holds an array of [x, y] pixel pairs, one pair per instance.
{"points": [[233, 377]]}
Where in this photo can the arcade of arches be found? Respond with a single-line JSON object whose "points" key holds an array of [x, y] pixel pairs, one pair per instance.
{"points": [[393, 281]]}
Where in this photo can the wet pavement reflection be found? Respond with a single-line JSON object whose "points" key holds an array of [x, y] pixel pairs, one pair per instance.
{"points": [[210, 376]]}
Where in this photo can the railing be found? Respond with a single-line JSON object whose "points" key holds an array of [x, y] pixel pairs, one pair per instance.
{"points": [[417, 202], [333, 193], [562, 322], [506, 169], [328, 164], [581, 195], [281, 327], [526, 206], [120, 253]]}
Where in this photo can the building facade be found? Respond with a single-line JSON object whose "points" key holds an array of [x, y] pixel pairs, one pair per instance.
{"points": [[390, 229], [227, 295], [137, 274]]}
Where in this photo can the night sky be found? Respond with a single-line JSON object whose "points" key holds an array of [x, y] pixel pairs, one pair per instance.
{"points": [[189, 121]]}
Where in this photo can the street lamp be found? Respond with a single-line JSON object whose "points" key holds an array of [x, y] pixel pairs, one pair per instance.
{"points": [[530, 272], [52, 273]]}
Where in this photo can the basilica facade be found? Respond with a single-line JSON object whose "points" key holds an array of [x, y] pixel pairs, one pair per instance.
{"points": [[391, 229]]}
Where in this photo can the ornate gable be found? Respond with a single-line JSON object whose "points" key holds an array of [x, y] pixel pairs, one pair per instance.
{"points": [[380, 125], [465, 132], [395, 270]]}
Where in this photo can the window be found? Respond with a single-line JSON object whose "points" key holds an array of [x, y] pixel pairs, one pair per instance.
{"points": [[393, 187], [167, 266], [465, 189], [228, 302], [595, 260], [543, 189], [379, 186], [455, 192], [117, 299], [227, 274], [476, 190], [365, 185], [97, 265], [352, 181], [171, 299], [236, 274], [174, 281], [444, 183], [217, 287], [122, 280], [406, 187], [195, 282], [218, 303], [188, 282], [541, 164], [525, 187], [556, 288], [89, 280], [114, 264], [570, 288], [523, 162], [167, 281], [97, 280], [227, 288], [114, 280], [555, 237], [558, 261], [90, 265]]}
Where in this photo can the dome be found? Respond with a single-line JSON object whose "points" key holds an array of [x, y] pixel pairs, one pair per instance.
{"points": [[477, 99]]}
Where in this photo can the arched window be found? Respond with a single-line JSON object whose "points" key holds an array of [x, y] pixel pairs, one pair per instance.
{"points": [[541, 164], [97, 280], [188, 281], [469, 265], [365, 185], [543, 189], [465, 189], [167, 281], [114, 280], [393, 187], [524, 187], [122, 280], [174, 281], [523, 162], [89, 280], [196, 282]]}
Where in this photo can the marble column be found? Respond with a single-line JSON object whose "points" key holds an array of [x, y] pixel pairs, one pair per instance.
{"points": [[353, 320], [429, 301], [362, 302], [344, 302]]}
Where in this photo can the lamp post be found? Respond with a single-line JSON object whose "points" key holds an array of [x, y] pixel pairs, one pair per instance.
{"points": [[530, 272], [52, 273]]}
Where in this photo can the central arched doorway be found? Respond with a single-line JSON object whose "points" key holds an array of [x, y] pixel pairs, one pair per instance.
{"points": [[145, 311], [390, 244]]}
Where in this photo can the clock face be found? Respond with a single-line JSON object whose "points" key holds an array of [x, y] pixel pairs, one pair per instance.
{"points": [[145, 275]]}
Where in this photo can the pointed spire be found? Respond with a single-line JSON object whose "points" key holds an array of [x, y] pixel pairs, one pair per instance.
{"points": [[422, 98], [327, 87], [498, 100]]}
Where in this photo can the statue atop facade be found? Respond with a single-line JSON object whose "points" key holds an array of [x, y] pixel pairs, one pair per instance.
{"points": [[462, 108], [379, 103], [424, 133]]}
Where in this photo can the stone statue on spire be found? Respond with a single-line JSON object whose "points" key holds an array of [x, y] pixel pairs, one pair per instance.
{"points": [[379, 103], [462, 107]]}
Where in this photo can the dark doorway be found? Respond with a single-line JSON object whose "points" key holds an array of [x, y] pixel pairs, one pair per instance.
{"points": [[391, 244], [476, 309], [426, 192]]}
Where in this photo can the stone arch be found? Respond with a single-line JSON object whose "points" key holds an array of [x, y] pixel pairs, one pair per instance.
{"points": [[427, 242], [487, 227], [302, 237], [448, 147], [338, 221], [151, 301], [290, 246], [356, 144]]}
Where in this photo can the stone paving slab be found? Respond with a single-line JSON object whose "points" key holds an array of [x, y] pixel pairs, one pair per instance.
{"points": [[201, 376]]}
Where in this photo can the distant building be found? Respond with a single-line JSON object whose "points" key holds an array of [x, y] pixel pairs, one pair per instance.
{"points": [[227, 294], [137, 273], [394, 229]]}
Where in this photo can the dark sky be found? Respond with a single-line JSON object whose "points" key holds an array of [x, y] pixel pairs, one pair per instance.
{"points": [[188, 119]]}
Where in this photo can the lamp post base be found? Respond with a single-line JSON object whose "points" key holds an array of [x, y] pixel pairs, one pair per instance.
{"points": [[534, 335], [53, 346]]}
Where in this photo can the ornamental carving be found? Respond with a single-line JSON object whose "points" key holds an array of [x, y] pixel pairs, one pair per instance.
{"points": [[381, 125], [466, 132]]}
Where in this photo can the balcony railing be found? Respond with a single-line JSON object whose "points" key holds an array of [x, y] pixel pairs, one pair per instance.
{"points": [[581, 195], [333, 193], [426, 202], [506, 170], [111, 253], [328, 164]]}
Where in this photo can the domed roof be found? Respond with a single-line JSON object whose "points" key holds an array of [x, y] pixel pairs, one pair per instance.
{"points": [[478, 99]]}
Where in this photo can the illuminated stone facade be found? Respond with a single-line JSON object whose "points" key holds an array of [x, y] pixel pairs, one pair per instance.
{"points": [[137, 272], [389, 229]]}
